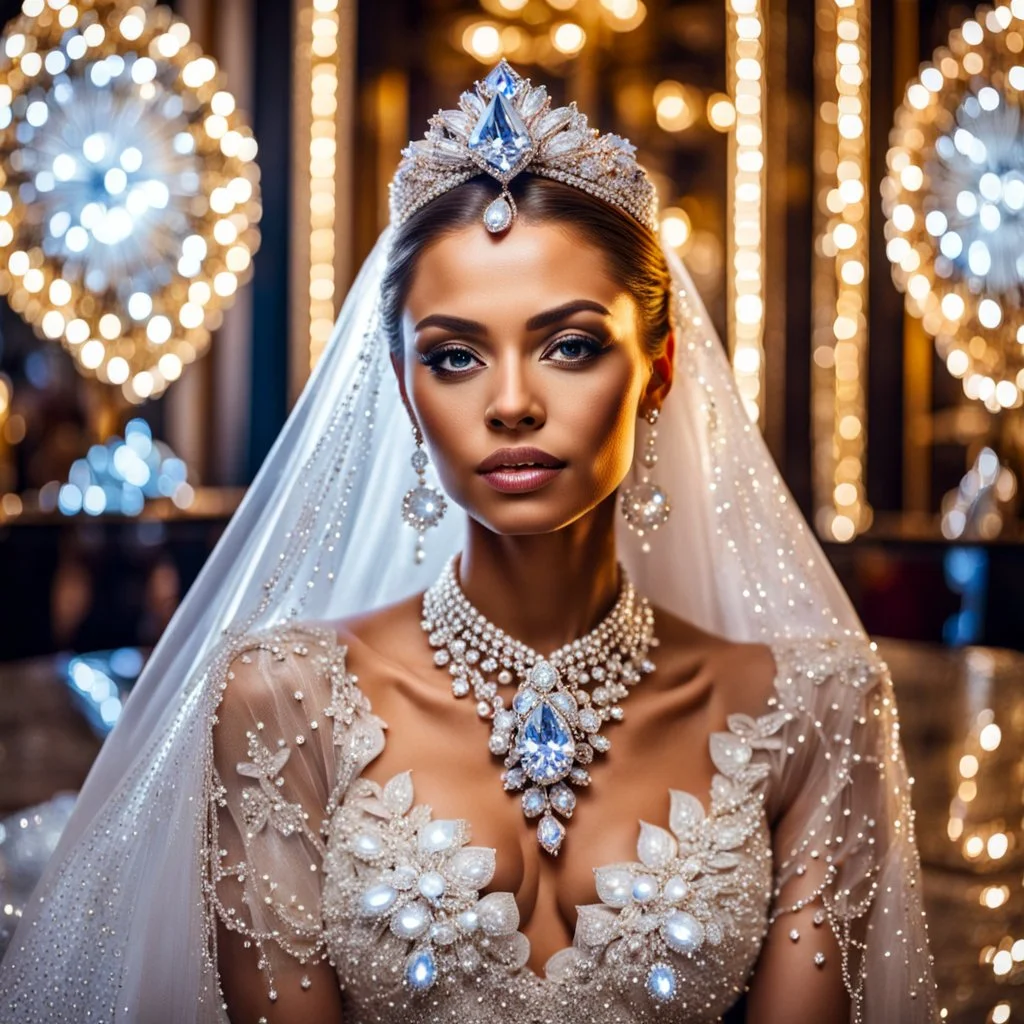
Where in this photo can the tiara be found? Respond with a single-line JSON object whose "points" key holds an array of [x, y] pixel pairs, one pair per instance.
{"points": [[504, 127]]}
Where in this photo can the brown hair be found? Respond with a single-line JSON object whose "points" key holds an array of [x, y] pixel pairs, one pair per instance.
{"points": [[634, 257]]}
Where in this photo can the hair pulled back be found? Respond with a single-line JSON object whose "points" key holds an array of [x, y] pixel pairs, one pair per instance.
{"points": [[633, 255]]}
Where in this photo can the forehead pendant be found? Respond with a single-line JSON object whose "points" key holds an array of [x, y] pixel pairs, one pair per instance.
{"points": [[501, 141]]}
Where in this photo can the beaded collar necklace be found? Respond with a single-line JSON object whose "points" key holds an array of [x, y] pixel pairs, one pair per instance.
{"points": [[552, 727]]}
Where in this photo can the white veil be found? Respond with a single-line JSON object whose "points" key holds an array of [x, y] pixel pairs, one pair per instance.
{"points": [[117, 929]]}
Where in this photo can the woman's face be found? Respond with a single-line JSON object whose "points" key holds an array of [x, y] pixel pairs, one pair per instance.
{"points": [[525, 342]]}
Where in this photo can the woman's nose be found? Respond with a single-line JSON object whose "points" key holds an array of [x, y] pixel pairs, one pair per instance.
{"points": [[515, 402]]}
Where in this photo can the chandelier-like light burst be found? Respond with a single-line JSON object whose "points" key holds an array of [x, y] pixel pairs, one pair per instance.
{"points": [[128, 193], [954, 199]]}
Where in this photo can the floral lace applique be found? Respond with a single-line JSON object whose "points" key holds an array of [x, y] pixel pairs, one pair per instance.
{"points": [[416, 882], [674, 899], [266, 804]]}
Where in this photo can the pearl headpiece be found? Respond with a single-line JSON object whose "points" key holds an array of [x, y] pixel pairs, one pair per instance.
{"points": [[505, 126]]}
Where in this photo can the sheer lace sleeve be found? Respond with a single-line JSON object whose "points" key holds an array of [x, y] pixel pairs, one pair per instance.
{"points": [[271, 782], [847, 898]]}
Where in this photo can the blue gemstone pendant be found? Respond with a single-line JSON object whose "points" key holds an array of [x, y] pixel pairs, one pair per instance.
{"points": [[546, 746]]}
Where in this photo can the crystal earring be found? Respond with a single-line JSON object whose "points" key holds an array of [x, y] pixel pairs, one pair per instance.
{"points": [[645, 505], [422, 506]]}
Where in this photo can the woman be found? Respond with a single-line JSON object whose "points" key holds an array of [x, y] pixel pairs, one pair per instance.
{"points": [[611, 747]]}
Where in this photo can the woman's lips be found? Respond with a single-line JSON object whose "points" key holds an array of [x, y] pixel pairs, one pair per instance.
{"points": [[517, 479]]}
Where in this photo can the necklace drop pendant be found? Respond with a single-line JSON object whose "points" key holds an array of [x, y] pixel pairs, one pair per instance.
{"points": [[550, 730], [550, 833]]}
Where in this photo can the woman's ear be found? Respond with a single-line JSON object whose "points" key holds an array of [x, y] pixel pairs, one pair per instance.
{"points": [[662, 372]]}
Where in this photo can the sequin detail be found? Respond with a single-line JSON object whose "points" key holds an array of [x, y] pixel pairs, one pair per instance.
{"points": [[414, 937]]}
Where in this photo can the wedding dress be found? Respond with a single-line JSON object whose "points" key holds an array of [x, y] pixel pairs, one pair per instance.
{"points": [[276, 832]]}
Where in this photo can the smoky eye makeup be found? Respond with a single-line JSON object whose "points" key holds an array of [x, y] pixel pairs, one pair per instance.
{"points": [[570, 350]]}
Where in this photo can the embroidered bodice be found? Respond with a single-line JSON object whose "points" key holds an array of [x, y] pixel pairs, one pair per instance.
{"points": [[399, 901]]}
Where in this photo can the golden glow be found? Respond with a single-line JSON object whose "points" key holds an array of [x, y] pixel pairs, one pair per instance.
{"points": [[674, 106], [993, 896], [721, 112], [743, 111], [568, 38], [623, 15], [990, 737], [841, 274], [675, 227], [482, 40]]}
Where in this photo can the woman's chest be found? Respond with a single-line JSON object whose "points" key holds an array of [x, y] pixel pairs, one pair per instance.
{"points": [[659, 746], [422, 904]]}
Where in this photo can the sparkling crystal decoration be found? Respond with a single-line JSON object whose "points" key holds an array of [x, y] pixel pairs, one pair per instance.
{"points": [[645, 505], [129, 197], [552, 727], [505, 126], [422, 506], [954, 199], [421, 971], [545, 745], [661, 982], [500, 138]]}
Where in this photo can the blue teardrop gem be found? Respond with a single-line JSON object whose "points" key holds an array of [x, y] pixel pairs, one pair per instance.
{"points": [[420, 970], [545, 745], [500, 136]]}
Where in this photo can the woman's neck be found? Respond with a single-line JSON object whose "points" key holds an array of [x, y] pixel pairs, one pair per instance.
{"points": [[544, 590]]}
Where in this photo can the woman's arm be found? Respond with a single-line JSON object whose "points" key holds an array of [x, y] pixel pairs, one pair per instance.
{"points": [[799, 976], [245, 990], [273, 757], [847, 939]]}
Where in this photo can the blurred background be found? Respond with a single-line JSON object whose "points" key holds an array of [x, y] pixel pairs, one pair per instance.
{"points": [[187, 189]]}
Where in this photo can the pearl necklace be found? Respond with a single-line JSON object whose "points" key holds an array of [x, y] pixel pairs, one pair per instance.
{"points": [[552, 728]]}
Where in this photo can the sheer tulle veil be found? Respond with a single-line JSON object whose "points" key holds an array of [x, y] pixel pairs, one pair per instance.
{"points": [[117, 930]]}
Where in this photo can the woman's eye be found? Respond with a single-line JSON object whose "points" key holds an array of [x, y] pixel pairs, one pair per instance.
{"points": [[574, 350], [450, 361]]}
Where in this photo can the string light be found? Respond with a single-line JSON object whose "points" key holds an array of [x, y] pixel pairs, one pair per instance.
{"points": [[676, 228], [721, 112], [117, 134], [323, 151], [745, 46], [954, 204], [568, 38], [674, 106], [840, 345], [483, 41]]}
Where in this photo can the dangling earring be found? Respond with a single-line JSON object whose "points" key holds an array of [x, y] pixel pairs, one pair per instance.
{"points": [[422, 506], [645, 505]]}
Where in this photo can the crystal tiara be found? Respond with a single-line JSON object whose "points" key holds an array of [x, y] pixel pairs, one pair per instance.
{"points": [[506, 126]]}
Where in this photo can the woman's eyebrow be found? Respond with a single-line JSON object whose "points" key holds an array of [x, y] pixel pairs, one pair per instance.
{"points": [[457, 324], [552, 316], [460, 325]]}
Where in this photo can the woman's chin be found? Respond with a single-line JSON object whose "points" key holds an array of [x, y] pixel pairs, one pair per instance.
{"points": [[525, 518]]}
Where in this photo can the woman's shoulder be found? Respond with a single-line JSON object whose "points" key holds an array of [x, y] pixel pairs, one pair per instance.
{"points": [[391, 633], [257, 668], [750, 676]]}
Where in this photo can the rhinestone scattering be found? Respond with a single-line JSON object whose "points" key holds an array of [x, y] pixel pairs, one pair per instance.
{"points": [[413, 918], [505, 126], [552, 728]]}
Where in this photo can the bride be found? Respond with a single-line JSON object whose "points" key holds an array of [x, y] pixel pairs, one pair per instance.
{"points": [[604, 743]]}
